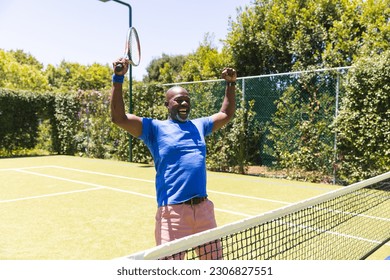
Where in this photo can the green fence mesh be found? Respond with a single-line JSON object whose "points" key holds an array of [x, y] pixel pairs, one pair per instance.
{"points": [[295, 109]]}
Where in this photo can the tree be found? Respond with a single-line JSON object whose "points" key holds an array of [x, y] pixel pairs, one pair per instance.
{"points": [[274, 36], [246, 44], [236, 145], [301, 134], [375, 18], [205, 63], [24, 58], [21, 71], [73, 76], [164, 69], [363, 122]]}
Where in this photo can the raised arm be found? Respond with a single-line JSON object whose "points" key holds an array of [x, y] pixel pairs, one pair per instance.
{"points": [[129, 122], [228, 107]]}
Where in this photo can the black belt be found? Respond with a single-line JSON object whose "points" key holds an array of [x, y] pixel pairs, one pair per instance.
{"points": [[195, 200]]}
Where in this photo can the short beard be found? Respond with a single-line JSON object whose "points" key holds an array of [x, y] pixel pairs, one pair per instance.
{"points": [[180, 119]]}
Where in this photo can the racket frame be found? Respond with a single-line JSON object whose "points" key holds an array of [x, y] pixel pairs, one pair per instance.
{"points": [[131, 38]]}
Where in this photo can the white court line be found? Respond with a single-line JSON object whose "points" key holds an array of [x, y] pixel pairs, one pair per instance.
{"points": [[147, 181], [101, 173], [326, 231], [48, 195], [250, 197], [27, 167], [232, 212], [152, 181], [97, 186]]}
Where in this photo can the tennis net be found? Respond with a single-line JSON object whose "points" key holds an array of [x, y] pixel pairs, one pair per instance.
{"points": [[347, 224]]}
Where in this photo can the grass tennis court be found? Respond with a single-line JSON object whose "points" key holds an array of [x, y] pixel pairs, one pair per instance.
{"points": [[62, 207]]}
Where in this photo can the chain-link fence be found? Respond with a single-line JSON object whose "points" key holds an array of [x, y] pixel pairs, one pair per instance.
{"points": [[295, 111]]}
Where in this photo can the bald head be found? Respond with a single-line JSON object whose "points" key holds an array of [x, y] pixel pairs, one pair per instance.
{"points": [[174, 91], [177, 100]]}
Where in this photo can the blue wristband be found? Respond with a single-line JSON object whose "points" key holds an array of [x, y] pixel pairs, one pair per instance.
{"points": [[118, 78]]}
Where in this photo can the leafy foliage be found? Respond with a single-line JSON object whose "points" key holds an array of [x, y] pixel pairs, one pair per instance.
{"points": [[363, 122], [301, 135], [236, 145], [21, 71], [164, 69], [19, 119], [64, 123], [283, 35], [204, 64], [73, 76]]}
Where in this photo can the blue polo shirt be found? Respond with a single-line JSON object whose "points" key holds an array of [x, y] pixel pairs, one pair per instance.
{"points": [[179, 154]]}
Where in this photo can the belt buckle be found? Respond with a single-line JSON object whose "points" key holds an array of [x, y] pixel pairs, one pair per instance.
{"points": [[193, 201]]}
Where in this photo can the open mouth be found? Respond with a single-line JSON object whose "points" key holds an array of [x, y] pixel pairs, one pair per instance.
{"points": [[183, 112]]}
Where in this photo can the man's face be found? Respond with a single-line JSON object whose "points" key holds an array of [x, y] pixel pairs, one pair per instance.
{"points": [[178, 103]]}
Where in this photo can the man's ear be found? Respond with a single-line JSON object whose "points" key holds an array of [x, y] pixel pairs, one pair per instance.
{"points": [[166, 103]]}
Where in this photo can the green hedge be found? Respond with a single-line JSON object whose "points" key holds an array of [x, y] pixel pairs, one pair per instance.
{"points": [[20, 114], [79, 123], [363, 124]]}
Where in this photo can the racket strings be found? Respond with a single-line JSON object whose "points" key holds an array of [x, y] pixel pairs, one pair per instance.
{"points": [[134, 50]]}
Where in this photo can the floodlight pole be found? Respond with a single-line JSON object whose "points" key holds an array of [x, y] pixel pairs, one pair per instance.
{"points": [[130, 77]]}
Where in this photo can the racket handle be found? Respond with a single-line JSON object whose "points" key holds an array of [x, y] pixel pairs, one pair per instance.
{"points": [[118, 67]]}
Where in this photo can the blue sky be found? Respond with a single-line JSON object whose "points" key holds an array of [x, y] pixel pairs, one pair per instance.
{"points": [[88, 31]]}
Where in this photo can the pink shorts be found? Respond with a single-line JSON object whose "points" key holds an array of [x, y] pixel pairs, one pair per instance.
{"points": [[177, 221]]}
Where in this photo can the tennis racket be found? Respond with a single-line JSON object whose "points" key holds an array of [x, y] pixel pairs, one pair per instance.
{"points": [[132, 49]]}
